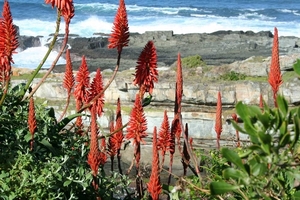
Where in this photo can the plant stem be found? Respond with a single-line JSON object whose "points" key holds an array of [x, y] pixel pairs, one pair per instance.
{"points": [[5, 90], [62, 49], [58, 19], [105, 88], [66, 108]]}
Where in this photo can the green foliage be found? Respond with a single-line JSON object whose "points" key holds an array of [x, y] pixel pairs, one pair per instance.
{"points": [[269, 167], [232, 76], [296, 67], [192, 62], [57, 166]]}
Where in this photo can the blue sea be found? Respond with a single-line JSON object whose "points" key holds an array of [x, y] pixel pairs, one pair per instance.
{"points": [[35, 18]]}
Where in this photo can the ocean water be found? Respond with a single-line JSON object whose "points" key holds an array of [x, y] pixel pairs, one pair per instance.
{"points": [[35, 18]]}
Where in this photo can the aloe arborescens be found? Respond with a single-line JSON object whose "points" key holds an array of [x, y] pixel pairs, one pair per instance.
{"points": [[275, 78], [154, 185], [8, 45], [218, 123], [146, 70]]}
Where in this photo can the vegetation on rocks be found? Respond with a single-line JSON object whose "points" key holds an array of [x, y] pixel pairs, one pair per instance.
{"points": [[192, 62], [44, 156]]}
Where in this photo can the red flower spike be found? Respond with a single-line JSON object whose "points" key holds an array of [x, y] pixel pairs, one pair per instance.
{"points": [[191, 143], [78, 123], [8, 42], [146, 70], [119, 37], [172, 136], [119, 124], [185, 154], [32, 121], [154, 186], [65, 6], [112, 142], [83, 81], [96, 88], [261, 101], [69, 80], [179, 86], [94, 157], [164, 142], [137, 125], [235, 118], [103, 157], [275, 78], [218, 124]]}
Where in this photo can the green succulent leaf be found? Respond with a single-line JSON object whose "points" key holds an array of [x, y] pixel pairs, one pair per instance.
{"points": [[296, 67], [48, 146], [296, 196], [296, 130], [233, 157], [234, 174], [218, 188], [258, 169], [282, 105]]}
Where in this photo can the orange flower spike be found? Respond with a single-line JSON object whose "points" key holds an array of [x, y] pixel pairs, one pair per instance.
{"points": [[120, 34], [32, 121], [103, 156], [137, 125], [96, 88], [8, 42], [154, 186], [218, 124], [164, 142], [69, 80], [65, 6], [112, 142], [94, 158], [261, 101], [146, 70], [83, 81], [8, 39], [275, 78]]}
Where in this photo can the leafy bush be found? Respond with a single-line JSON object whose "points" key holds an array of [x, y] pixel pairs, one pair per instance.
{"points": [[192, 61], [232, 76], [269, 167]]}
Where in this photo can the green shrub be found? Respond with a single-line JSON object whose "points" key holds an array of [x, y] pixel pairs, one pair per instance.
{"points": [[232, 76], [269, 167], [192, 61]]}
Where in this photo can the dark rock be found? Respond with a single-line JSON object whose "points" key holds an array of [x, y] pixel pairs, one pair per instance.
{"points": [[221, 47], [29, 41]]}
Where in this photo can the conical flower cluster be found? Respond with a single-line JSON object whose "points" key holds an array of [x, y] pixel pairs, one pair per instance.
{"points": [[120, 34], [275, 78], [154, 186]]}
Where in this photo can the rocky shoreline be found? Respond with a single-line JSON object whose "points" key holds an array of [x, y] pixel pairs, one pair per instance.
{"points": [[217, 48], [201, 84]]}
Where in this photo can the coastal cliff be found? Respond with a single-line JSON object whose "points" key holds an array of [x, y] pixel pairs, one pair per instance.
{"points": [[217, 48]]}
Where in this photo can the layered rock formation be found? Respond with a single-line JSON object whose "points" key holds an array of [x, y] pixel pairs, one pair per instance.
{"points": [[221, 47], [227, 50]]}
